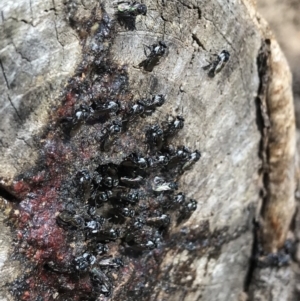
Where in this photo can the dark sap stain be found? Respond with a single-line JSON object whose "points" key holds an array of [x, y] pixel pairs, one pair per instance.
{"points": [[96, 209]]}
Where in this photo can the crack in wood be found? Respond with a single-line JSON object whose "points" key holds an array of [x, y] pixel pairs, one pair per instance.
{"points": [[4, 75], [7, 195], [12, 104], [198, 42]]}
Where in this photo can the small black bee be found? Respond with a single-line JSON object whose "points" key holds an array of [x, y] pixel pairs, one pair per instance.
{"points": [[91, 211], [109, 235], [115, 127], [155, 136], [131, 197], [188, 208], [72, 124], [218, 64], [136, 110], [177, 157], [193, 158], [101, 248], [179, 198], [97, 179], [82, 114], [101, 281], [82, 177], [132, 182], [93, 226], [183, 152], [149, 245], [111, 263], [157, 50], [158, 100], [158, 161], [111, 107], [67, 219], [191, 205], [110, 182], [107, 134], [161, 220], [127, 9], [163, 159], [147, 239], [150, 104], [154, 54], [135, 160], [173, 125], [102, 196], [78, 222], [279, 259], [127, 12], [83, 262], [125, 195], [160, 185], [138, 223], [126, 212]]}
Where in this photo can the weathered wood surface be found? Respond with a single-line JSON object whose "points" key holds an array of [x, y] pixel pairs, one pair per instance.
{"points": [[39, 51], [283, 19]]}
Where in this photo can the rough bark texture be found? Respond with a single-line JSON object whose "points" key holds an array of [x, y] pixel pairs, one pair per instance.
{"points": [[283, 19], [241, 120]]}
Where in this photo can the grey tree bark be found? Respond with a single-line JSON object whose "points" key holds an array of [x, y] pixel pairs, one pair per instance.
{"points": [[242, 121]]}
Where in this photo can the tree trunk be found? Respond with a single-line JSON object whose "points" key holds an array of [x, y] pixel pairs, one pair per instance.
{"points": [[57, 56]]}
